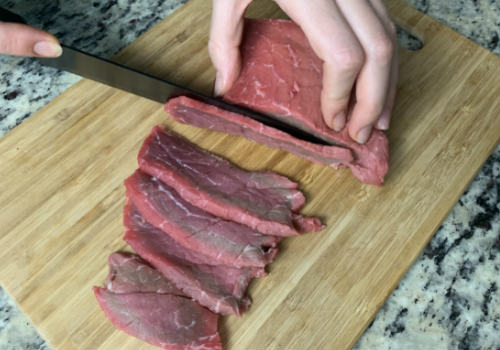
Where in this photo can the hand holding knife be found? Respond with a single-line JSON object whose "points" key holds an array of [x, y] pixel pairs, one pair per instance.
{"points": [[128, 79]]}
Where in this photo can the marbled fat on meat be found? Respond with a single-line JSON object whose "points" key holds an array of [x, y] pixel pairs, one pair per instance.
{"points": [[282, 76], [223, 242], [218, 287], [264, 201]]}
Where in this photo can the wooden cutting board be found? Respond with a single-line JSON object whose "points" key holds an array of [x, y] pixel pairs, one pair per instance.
{"points": [[61, 192]]}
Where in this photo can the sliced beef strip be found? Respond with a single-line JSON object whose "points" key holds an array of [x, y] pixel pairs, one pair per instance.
{"points": [[282, 76], [165, 320], [224, 242], [220, 288], [264, 201], [189, 111], [129, 273]]}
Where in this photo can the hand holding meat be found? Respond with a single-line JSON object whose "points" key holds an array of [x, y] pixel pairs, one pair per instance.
{"points": [[22, 40], [355, 40]]}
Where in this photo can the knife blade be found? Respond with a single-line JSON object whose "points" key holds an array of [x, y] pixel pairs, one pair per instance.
{"points": [[154, 88], [139, 83]]}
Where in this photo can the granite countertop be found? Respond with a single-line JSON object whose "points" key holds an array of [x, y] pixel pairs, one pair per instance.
{"points": [[450, 298]]}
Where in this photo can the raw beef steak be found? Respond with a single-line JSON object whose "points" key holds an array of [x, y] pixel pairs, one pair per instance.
{"points": [[220, 288], [224, 242], [164, 320], [282, 76], [264, 201]]}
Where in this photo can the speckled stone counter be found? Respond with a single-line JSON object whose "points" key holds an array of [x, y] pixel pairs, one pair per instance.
{"points": [[449, 299]]}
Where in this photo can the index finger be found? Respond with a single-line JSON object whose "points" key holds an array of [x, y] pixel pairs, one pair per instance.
{"points": [[226, 30], [337, 46], [373, 81], [22, 40]]}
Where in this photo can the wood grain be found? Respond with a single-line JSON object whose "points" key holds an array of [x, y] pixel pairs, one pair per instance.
{"points": [[61, 191]]}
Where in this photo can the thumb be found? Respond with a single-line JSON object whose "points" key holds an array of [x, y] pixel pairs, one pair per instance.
{"points": [[226, 32], [22, 40]]}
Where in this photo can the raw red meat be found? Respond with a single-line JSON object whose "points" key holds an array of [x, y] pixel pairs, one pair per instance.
{"points": [[128, 273], [189, 111], [164, 320], [282, 76], [220, 288], [224, 242], [263, 201], [143, 303]]}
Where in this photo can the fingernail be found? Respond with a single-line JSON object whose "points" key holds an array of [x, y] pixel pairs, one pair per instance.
{"points": [[218, 84], [383, 121], [364, 134], [383, 124], [339, 121], [47, 49]]}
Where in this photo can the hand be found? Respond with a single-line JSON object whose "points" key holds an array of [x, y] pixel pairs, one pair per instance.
{"points": [[22, 40], [356, 40]]}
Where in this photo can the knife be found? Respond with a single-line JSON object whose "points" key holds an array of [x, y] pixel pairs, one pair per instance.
{"points": [[139, 83]]}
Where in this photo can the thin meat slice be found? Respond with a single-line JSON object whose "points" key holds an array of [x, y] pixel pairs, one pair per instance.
{"points": [[282, 76], [189, 111], [264, 201], [224, 242], [129, 273], [164, 320], [218, 287]]}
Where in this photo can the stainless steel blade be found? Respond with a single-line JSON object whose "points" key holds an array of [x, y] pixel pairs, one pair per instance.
{"points": [[151, 87]]}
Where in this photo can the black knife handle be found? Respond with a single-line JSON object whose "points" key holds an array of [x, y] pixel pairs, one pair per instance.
{"points": [[7, 16]]}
